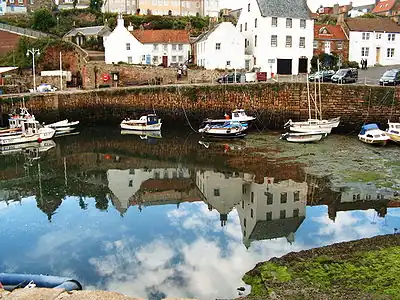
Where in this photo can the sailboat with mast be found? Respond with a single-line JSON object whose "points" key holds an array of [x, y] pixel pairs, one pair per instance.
{"points": [[313, 124]]}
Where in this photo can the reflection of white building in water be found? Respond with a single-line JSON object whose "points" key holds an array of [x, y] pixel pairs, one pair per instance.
{"points": [[135, 185], [365, 192]]}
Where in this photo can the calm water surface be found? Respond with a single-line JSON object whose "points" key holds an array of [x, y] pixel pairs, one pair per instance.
{"points": [[169, 217]]}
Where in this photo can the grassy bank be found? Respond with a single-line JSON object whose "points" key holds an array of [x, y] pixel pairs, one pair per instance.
{"points": [[364, 269]]}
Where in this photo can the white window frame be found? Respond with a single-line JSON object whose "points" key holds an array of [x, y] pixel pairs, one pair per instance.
{"points": [[364, 51], [228, 63], [365, 36], [389, 52], [303, 23], [274, 22], [391, 37], [379, 36], [274, 40], [302, 42], [128, 46], [315, 44], [288, 41], [217, 46], [180, 47], [289, 22]]}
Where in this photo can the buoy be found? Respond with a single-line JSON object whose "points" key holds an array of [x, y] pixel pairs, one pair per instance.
{"points": [[39, 140]]}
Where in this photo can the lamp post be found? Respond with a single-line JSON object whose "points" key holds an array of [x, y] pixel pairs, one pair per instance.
{"points": [[33, 52]]}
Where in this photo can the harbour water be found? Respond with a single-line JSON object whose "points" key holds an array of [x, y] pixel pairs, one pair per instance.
{"points": [[179, 216]]}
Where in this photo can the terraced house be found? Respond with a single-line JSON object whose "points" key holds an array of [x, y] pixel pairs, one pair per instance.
{"points": [[388, 8], [278, 35], [331, 39]]}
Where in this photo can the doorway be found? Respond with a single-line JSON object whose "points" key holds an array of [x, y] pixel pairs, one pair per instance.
{"points": [[378, 55], [303, 65], [284, 66]]}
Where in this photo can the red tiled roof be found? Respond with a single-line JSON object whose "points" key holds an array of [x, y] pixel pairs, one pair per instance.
{"points": [[335, 32], [372, 24], [384, 6], [161, 36]]}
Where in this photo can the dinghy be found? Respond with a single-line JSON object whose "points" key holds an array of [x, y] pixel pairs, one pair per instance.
{"points": [[63, 126], [149, 122], [229, 129], [303, 137], [371, 134], [394, 131]]}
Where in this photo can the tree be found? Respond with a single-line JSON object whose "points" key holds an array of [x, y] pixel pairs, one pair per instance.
{"points": [[95, 5], [43, 20]]}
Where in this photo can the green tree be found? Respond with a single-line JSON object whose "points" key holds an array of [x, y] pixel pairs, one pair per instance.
{"points": [[368, 16], [95, 5], [43, 20]]}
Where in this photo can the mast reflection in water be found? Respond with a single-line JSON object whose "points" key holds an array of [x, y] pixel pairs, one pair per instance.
{"points": [[170, 219]]}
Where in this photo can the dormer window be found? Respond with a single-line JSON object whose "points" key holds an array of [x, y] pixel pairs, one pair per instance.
{"points": [[323, 30]]}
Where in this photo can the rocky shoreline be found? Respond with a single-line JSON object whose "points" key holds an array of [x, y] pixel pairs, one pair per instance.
{"points": [[362, 269]]}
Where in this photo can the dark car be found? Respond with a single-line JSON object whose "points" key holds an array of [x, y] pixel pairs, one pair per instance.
{"points": [[345, 76], [390, 77], [229, 78], [324, 76]]}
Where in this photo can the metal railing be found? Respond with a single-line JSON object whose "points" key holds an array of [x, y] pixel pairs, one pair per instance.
{"points": [[24, 31]]}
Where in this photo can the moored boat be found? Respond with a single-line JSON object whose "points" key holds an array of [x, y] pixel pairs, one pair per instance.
{"points": [[238, 115], [229, 129], [15, 121], [63, 126], [394, 131], [303, 137], [312, 125], [371, 134], [150, 122], [143, 134]]}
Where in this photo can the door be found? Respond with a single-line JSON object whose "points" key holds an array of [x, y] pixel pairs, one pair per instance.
{"points": [[378, 55], [284, 66], [165, 61], [303, 65], [148, 59], [328, 47]]}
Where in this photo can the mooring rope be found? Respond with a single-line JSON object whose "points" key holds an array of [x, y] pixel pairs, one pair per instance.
{"points": [[184, 111]]}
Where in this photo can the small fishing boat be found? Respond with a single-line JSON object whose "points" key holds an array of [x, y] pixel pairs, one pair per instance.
{"points": [[63, 126], [150, 122], [31, 131], [303, 137], [312, 125], [394, 131], [371, 134], [144, 135], [238, 115], [229, 129], [15, 121]]}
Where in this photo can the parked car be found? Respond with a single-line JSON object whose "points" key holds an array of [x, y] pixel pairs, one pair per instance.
{"points": [[44, 87], [230, 78], [345, 76], [390, 77], [324, 76]]}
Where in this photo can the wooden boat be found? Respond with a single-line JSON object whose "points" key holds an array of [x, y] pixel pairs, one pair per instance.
{"points": [[63, 126], [371, 134], [303, 137], [394, 131], [229, 129], [31, 131], [149, 122], [238, 115]]}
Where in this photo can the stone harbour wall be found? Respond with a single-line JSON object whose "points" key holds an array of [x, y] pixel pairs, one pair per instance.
{"points": [[272, 103]]}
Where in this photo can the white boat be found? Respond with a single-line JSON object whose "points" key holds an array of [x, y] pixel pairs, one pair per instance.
{"points": [[303, 137], [15, 121], [371, 134], [317, 123], [16, 148], [149, 122], [238, 115], [63, 126], [394, 131], [229, 129], [144, 135], [31, 131]]}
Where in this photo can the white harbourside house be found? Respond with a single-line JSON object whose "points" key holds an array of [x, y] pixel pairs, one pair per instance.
{"points": [[278, 34], [375, 39], [150, 47], [222, 47]]}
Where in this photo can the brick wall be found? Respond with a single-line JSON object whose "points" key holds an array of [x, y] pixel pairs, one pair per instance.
{"points": [[344, 52], [8, 41], [272, 103]]}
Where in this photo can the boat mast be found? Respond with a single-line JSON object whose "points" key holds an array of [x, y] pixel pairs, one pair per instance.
{"points": [[308, 98], [315, 99], [319, 93]]}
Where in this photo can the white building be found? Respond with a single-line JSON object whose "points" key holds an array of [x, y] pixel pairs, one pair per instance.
{"points": [[151, 47], [377, 40], [279, 35], [222, 47]]}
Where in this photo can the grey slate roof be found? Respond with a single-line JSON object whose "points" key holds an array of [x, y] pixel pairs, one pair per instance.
{"points": [[266, 230], [296, 9], [204, 36], [88, 31]]}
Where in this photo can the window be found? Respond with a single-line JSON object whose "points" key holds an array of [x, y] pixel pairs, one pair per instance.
{"points": [[242, 204], [315, 44], [288, 23], [302, 23], [339, 45], [228, 63], [295, 213], [173, 47], [283, 197], [252, 197], [365, 35], [128, 46], [296, 196], [268, 216], [218, 46], [391, 37], [244, 190], [255, 23], [255, 41], [173, 58], [216, 192], [248, 7], [241, 27], [131, 171], [244, 223], [130, 183], [270, 198], [302, 43], [11, 1], [364, 51], [129, 59], [274, 22], [155, 47], [180, 58], [245, 43], [289, 41], [180, 47], [378, 36], [165, 47], [252, 213], [274, 41], [390, 52], [143, 57], [282, 214], [20, 1], [245, 26]]}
